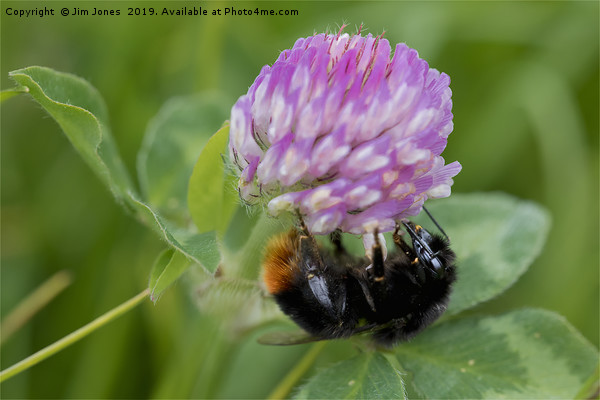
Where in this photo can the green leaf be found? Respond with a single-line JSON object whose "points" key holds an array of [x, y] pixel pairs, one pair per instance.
{"points": [[172, 143], [167, 268], [240, 227], [81, 113], [10, 93], [366, 376], [212, 197], [495, 236], [522, 354], [201, 248]]}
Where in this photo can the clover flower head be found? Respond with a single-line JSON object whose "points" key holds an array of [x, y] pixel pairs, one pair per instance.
{"points": [[343, 132]]}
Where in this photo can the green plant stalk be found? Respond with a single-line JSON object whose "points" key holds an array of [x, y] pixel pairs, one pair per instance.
{"points": [[73, 337], [37, 300], [591, 388], [287, 384]]}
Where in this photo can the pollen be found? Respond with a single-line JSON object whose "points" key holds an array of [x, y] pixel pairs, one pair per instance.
{"points": [[280, 263]]}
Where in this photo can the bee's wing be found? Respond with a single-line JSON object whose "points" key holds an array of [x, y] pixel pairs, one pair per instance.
{"points": [[287, 338]]}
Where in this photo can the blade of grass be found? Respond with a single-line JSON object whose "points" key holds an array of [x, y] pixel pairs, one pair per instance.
{"points": [[287, 384], [37, 300], [73, 337], [591, 388]]}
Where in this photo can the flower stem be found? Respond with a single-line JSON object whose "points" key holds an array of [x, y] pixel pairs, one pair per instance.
{"points": [[73, 337], [34, 303], [287, 384]]}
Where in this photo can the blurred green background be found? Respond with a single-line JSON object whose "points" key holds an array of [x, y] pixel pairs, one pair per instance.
{"points": [[525, 81]]}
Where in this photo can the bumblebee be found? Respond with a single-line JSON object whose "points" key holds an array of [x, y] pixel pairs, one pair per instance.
{"points": [[332, 294]]}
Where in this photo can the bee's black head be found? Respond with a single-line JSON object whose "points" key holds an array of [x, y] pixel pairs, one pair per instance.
{"points": [[432, 250]]}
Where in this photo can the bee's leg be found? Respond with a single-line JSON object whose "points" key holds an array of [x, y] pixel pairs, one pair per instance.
{"points": [[417, 268], [309, 250], [336, 240], [326, 288], [364, 285], [377, 259], [372, 284], [303, 226], [400, 243]]}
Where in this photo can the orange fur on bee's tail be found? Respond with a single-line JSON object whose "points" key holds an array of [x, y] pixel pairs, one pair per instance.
{"points": [[280, 263]]}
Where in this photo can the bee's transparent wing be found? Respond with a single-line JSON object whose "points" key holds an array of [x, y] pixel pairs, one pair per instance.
{"points": [[287, 338]]}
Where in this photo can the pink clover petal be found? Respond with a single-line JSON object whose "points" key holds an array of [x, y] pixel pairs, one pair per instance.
{"points": [[285, 202], [344, 132], [325, 196], [325, 221]]}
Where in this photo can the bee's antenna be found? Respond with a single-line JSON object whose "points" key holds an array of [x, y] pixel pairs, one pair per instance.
{"points": [[436, 223]]}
